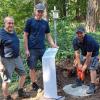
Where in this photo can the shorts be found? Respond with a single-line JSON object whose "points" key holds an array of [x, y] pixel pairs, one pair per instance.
{"points": [[12, 64], [93, 63], [35, 55]]}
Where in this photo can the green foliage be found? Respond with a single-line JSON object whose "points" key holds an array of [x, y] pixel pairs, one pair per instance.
{"points": [[65, 35], [20, 10]]}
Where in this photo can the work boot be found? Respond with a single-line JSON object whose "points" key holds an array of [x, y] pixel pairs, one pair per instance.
{"points": [[8, 98], [77, 83], [91, 89], [35, 87], [22, 93]]}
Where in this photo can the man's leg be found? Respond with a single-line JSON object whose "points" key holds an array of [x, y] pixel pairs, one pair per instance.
{"points": [[32, 62], [92, 89], [33, 79], [6, 94], [22, 81], [32, 75], [21, 71], [78, 81], [5, 89], [6, 77], [4, 83], [93, 74], [21, 92]]}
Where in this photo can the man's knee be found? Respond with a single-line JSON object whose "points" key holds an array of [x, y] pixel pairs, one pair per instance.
{"points": [[4, 85], [23, 76]]}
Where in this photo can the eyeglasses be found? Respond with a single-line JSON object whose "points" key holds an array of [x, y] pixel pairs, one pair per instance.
{"points": [[40, 11], [10, 23], [79, 32]]}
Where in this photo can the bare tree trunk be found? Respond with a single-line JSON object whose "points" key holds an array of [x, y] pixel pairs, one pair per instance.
{"points": [[61, 5], [91, 18], [98, 12], [64, 8], [77, 10]]}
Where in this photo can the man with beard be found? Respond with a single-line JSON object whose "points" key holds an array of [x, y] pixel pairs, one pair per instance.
{"points": [[86, 50]]}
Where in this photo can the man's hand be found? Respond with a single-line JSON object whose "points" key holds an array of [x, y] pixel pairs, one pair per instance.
{"points": [[87, 61], [27, 53], [83, 68], [1, 67], [79, 66], [54, 46]]}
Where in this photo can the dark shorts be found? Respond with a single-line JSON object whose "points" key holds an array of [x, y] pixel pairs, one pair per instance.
{"points": [[35, 55]]}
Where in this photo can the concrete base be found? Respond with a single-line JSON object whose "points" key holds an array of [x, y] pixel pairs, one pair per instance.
{"points": [[79, 91], [58, 98]]}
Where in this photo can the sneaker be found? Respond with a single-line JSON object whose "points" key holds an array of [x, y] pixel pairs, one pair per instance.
{"points": [[22, 93], [91, 89], [8, 98], [35, 87], [77, 83]]}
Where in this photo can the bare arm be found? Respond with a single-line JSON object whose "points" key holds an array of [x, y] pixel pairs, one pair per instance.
{"points": [[1, 67], [26, 44], [77, 59], [87, 62], [50, 40]]}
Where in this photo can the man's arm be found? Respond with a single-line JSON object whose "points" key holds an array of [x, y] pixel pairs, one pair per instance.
{"points": [[50, 40], [1, 67], [26, 44], [87, 61], [77, 59]]}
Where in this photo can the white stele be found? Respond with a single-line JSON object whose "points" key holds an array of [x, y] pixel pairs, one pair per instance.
{"points": [[49, 74]]}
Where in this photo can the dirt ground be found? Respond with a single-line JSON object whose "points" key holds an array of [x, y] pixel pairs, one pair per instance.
{"points": [[62, 79]]}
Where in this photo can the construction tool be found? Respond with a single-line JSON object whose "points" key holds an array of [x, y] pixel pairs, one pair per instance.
{"points": [[80, 74]]}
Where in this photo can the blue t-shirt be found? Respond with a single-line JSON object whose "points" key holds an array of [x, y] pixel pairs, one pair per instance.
{"points": [[9, 44], [36, 30], [88, 45]]}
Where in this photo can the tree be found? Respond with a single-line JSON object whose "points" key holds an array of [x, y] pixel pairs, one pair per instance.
{"points": [[81, 9], [20, 12], [92, 17], [61, 5]]}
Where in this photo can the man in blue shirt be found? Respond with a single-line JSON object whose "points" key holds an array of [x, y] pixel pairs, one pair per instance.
{"points": [[34, 40], [10, 58], [86, 50]]}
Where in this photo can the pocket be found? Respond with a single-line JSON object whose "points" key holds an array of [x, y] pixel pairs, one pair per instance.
{"points": [[95, 62], [8, 52]]}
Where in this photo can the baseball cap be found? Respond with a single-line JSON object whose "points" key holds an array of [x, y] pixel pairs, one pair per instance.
{"points": [[40, 6], [80, 29]]}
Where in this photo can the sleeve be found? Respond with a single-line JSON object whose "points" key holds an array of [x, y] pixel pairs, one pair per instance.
{"points": [[27, 26], [0, 44], [75, 44], [90, 46], [0, 40], [47, 28]]}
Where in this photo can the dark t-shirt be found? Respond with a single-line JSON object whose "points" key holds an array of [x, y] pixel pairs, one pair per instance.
{"points": [[36, 30], [88, 45], [9, 44]]}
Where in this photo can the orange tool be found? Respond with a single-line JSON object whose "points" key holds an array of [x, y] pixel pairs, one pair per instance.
{"points": [[80, 74]]}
